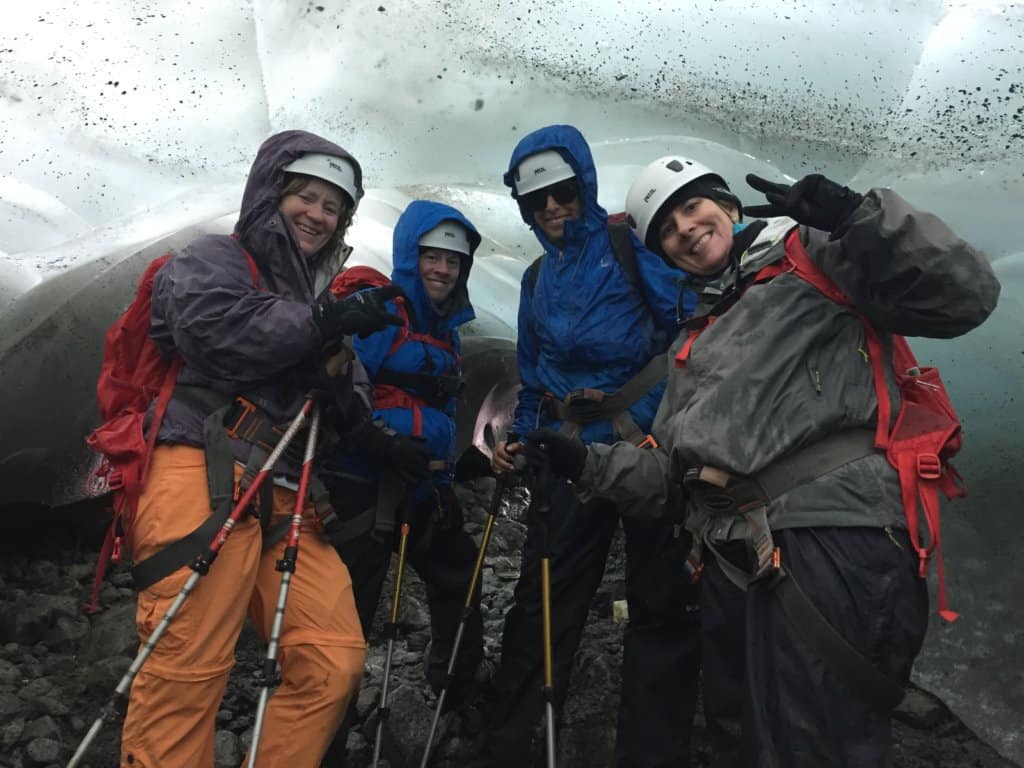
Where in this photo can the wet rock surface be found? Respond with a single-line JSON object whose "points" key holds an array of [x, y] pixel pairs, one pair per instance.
{"points": [[59, 667]]}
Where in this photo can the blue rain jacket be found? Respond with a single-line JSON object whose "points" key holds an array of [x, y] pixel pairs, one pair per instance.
{"points": [[583, 324], [438, 425]]}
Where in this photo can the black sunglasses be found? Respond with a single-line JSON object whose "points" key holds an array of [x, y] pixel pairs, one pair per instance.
{"points": [[564, 193]]}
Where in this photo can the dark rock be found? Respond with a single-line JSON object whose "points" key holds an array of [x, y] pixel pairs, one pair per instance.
{"points": [[113, 633], [417, 641], [11, 731], [44, 727], [81, 572], [35, 689], [414, 714], [227, 750], [104, 675], [67, 633], [369, 697], [42, 751], [27, 620], [413, 614], [920, 710], [51, 705], [42, 574], [360, 749], [9, 673]]}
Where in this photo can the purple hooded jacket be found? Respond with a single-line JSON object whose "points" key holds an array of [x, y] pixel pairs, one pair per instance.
{"points": [[233, 336]]}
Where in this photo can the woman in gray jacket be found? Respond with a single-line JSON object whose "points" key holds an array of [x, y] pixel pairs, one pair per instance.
{"points": [[813, 601]]}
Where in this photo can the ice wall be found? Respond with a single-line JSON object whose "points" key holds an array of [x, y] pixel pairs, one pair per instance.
{"points": [[122, 121]]}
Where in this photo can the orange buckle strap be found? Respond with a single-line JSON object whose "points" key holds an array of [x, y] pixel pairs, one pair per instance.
{"points": [[247, 409], [648, 442]]}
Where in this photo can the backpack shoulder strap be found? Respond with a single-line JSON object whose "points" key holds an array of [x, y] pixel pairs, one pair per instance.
{"points": [[625, 254], [532, 273]]}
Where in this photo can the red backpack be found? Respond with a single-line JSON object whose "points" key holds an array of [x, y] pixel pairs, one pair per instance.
{"points": [[359, 278], [926, 433], [134, 374]]}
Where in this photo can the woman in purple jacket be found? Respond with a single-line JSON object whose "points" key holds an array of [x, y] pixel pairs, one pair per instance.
{"points": [[240, 311]]}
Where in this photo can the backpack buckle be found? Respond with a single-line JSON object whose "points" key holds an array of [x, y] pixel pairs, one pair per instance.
{"points": [[115, 480], [238, 415], [648, 442], [929, 466]]}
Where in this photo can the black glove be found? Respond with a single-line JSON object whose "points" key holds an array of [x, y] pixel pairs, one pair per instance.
{"points": [[331, 391], [362, 313], [447, 510], [814, 200], [563, 455], [407, 456]]}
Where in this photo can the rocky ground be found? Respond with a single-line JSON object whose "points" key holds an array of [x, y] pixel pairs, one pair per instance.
{"points": [[58, 666]]}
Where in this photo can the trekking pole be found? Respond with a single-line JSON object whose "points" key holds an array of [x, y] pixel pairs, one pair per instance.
{"points": [[391, 630], [542, 510], [271, 673], [502, 485], [200, 566]]}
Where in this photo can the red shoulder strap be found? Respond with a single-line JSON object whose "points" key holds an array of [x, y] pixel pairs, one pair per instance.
{"points": [[805, 268]]}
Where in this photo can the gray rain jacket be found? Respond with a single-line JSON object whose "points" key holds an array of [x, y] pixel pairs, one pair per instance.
{"points": [[785, 367], [233, 336]]}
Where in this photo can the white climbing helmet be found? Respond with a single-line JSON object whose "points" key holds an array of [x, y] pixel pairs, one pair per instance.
{"points": [[449, 235], [540, 170], [657, 182], [334, 170]]}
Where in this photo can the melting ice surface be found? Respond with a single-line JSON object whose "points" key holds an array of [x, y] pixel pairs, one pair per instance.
{"points": [[124, 121]]}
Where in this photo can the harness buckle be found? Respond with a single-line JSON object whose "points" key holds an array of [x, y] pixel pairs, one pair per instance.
{"points": [[582, 396], [648, 442], [929, 466], [116, 551], [239, 414], [708, 489]]}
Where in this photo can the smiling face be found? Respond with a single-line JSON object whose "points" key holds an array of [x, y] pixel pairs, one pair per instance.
{"points": [[313, 211], [439, 270], [552, 217], [696, 235]]}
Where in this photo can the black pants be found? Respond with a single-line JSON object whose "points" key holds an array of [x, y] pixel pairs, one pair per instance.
{"points": [[769, 699], [661, 645], [443, 558]]}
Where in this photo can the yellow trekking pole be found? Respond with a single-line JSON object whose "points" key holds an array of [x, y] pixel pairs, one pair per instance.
{"points": [[391, 630], [503, 483], [542, 509]]}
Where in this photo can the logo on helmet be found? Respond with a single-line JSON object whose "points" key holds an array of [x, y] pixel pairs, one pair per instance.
{"points": [[650, 192]]}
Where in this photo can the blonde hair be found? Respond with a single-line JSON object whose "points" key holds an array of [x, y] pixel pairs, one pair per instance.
{"points": [[729, 208], [335, 250]]}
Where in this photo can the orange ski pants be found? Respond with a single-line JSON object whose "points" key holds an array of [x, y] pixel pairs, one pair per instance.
{"points": [[175, 696]]}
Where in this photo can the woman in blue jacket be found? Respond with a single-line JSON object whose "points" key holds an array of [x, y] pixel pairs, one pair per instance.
{"points": [[415, 372], [591, 336]]}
